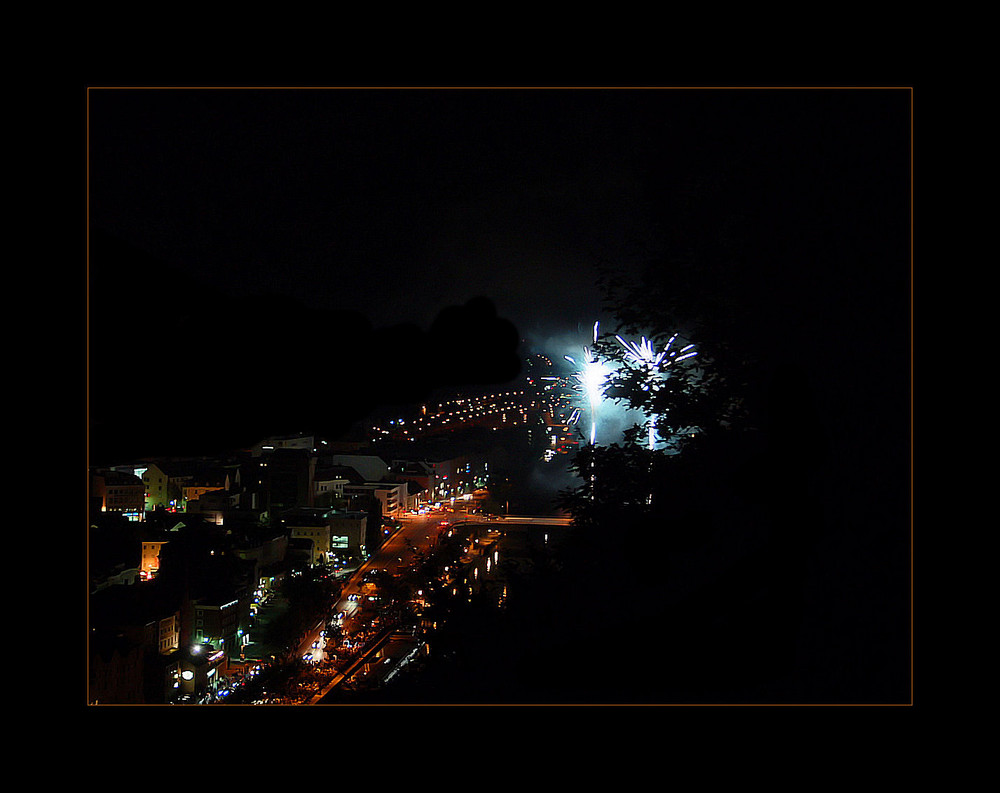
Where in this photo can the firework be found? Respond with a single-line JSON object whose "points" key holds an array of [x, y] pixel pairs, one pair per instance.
{"points": [[590, 379], [592, 374], [643, 354]]}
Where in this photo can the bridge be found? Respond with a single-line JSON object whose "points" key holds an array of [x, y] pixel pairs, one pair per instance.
{"points": [[539, 520], [536, 520]]}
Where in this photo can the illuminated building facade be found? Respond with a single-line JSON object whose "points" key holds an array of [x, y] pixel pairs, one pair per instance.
{"points": [[171, 483], [348, 533], [118, 491], [157, 487], [199, 671], [149, 564], [391, 495], [194, 491], [219, 622], [312, 524], [328, 488]]}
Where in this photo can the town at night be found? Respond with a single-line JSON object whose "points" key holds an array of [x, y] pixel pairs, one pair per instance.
{"points": [[539, 396]]}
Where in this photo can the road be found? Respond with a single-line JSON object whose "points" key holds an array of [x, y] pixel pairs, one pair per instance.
{"points": [[418, 534]]}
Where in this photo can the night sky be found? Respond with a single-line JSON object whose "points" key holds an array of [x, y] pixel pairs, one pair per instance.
{"points": [[267, 261], [339, 218]]}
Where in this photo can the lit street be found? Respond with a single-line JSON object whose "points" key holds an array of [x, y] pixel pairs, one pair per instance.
{"points": [[417, 535]]}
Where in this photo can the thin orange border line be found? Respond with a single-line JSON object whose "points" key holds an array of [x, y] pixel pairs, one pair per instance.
{"points": [[86, 396], [912, 624]]}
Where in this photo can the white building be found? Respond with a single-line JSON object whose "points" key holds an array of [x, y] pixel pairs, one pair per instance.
{"points": [[392, 495], [371, 467], [328, 487]]}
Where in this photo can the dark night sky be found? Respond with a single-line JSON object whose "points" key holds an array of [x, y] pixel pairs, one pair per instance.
{"points": [[381, 208], [394, 203], [399, 203]]}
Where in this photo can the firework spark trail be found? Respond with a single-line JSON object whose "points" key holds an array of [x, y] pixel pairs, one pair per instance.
{"points": [[644, 355], [591, 377], [592, 374]]}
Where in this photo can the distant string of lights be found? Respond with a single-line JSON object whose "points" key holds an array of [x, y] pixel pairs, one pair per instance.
{"points": [[510, 408], [559, 402]]}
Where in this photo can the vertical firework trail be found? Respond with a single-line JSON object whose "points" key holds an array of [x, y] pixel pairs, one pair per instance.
{"points": [[591, 379]]}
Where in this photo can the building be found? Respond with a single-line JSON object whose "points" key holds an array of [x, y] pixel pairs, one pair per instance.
{"points": [[348, 533], [155, 483], [244, 490], [221, 619], [149, 564], [113, 551], [171, 482], [328, 487], [134, 631], [312, 524], [117, 491], [267, 554], [300, 441], [392, 496], [115, 671], [331, 533], [370, 467], [199, 672], [214, 505], [442, 478], [287, 477], [194, 490]]}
